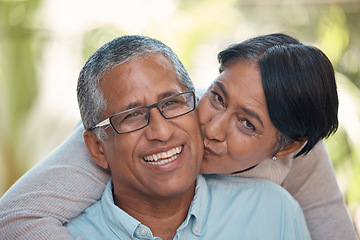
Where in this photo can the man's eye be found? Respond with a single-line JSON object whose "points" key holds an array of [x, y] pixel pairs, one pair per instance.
{"points": [[174, 103], [169, 103], [133, 115]]}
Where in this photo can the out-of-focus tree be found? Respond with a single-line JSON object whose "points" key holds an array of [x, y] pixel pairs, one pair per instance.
{"points": [[20, 51], [335, 38]]}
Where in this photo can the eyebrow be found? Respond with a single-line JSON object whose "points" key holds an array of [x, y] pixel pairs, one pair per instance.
{"points": [[167, 94], [243, 109], [222, 88]]}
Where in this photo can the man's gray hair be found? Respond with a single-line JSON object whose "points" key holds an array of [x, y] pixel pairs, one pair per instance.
{"points": [[118, 51]]}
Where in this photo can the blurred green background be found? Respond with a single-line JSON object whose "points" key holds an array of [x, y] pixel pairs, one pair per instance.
{"points": [[44, 43]]}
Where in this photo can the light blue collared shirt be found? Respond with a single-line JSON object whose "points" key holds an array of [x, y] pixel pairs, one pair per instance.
{"points": [[223, 208]]}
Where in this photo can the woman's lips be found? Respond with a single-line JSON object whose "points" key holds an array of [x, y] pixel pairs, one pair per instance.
{"points": [[209, 151]]}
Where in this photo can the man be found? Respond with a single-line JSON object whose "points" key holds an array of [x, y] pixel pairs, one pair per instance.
{"points": [[137, 105], [140, 186]]}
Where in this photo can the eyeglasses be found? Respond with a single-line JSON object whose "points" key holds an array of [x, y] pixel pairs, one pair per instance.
{"points": [[138, 118]]}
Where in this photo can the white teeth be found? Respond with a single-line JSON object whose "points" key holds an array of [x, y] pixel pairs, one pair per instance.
{"points": [[171, 155], [164, 161]]}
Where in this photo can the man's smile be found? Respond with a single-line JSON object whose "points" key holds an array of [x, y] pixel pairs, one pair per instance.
{"points": [[163, 157]]}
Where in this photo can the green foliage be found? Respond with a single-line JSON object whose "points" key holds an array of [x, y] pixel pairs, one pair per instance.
{"points": [[20, 54], [344, 146], [333, 33], [19, 76]]}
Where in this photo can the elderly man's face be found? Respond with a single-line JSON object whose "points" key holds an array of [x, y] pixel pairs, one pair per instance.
{"points": [[143, 82]]}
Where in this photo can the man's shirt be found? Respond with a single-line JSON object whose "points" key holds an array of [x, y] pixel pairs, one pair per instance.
{"points": [[222, 208]]}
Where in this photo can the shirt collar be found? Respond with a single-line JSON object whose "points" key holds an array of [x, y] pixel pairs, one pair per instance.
{"points": [[199, 207], [124, 225], [120, 222]]}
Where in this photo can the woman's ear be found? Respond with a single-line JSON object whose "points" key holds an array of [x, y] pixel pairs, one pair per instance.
{"points": [[290, 148], [95, 149]]}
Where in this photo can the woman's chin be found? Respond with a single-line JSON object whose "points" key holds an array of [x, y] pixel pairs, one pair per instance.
{"points": [[206, 169], [210, 169], [215, 166]]}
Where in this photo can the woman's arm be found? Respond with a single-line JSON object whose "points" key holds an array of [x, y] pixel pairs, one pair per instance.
{"points": [[312, 182], [51, 193]]}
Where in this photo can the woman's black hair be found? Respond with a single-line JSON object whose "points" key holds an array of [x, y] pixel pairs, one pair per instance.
{"points": [[299, 86]]}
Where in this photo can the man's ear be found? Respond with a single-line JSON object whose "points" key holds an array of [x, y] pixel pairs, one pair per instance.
{"points": [[290, 148], [95, 149]]}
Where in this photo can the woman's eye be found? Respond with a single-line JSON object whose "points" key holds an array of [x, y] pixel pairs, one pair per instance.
{"points": [[247, 125], [216, 99]]}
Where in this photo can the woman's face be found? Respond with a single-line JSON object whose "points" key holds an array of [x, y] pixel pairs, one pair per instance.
{"points": [[235, 122]]}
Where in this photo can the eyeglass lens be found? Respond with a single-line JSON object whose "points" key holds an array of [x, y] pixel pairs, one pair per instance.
{"points": [[137, 118]]}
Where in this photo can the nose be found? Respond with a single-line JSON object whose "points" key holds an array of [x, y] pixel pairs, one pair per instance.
{"points": [[159, 128], [215, 128]]}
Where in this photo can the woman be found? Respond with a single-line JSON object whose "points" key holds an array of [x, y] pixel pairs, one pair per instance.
{"points": [[275, 97], [246, 117], [273, 94]]}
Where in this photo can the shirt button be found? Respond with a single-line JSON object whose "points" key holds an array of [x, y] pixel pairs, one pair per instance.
{"points": [[143, 231], [196, 228]]}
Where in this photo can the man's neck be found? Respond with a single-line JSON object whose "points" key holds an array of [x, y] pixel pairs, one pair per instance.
{"points": [[163, 215]]}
